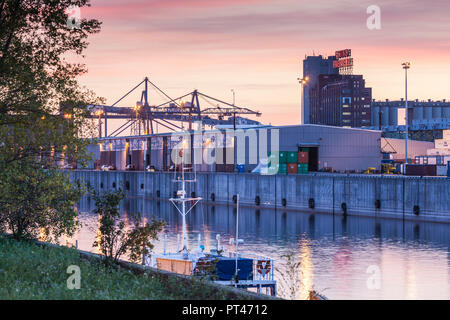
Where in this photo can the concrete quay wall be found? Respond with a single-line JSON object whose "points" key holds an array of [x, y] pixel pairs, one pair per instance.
{"points": [[412, 198]]}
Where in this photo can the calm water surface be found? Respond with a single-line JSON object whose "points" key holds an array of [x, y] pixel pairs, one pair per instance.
{"points": [[335, 256]]}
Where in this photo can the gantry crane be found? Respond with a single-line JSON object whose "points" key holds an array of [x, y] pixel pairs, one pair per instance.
{"points": [[142, 115]]}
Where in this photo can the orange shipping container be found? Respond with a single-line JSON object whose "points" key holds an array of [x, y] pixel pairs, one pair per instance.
{"points": [[303, 157], [292, 168]]}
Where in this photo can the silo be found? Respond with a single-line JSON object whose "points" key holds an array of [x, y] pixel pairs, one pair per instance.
{"points": [[427, 113], [385, 116], [418, 112], [437, 112], [393, 119]]}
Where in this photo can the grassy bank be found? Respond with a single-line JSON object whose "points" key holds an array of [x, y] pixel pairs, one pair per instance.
{"points": [[29, 271]]}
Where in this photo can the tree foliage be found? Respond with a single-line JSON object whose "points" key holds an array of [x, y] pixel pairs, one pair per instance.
{"points": [[38, 83], [37, 202], [42, 114], [114, 239]]}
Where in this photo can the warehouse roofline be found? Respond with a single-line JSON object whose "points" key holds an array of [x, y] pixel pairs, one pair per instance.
{"points": [[249, 127]]}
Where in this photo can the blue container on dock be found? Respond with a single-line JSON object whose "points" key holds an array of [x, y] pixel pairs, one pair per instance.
{"points": [[226, 268], [241, 168]]}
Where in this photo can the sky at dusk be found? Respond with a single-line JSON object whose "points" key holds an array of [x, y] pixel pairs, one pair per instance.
{"points": [[256, 47]]}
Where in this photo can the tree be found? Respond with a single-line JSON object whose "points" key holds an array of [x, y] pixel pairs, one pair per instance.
{"points": [[42, 114], [42, 107], [37, 202], [114, 240]]}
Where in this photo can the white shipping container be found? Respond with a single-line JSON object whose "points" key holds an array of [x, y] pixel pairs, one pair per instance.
{"points": [[438, 152], [442, 144]]}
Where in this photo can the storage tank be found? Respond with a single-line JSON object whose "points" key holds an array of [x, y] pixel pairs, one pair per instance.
{"points": [[437, 112]]}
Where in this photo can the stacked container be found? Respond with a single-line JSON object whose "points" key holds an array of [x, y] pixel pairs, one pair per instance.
{"points": [[302, 161], [280, 158], [292, 162]]}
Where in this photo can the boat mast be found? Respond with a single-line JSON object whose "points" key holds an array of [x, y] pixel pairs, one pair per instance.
{"points": [[237, 236], [181, 195]]}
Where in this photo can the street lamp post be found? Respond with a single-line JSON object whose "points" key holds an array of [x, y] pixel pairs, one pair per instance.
{"points": [[234, 115], [406, 66], [302, 82]]}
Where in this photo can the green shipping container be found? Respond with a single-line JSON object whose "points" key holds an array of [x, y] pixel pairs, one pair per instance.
{"points": [[292, 157], [304, 149], [278, 169], [282, 156], [302, 168]]}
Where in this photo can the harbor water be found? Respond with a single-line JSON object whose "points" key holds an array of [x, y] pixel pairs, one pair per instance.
{"points": [[340, 258]]}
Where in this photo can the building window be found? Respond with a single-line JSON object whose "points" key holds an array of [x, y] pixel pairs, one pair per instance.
{"points": [[346, 113]]}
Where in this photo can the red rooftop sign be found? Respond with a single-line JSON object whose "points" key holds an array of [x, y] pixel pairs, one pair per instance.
{"points": [[344, 61]]}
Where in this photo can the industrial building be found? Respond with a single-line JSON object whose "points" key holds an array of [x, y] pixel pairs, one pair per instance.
{"points": [[323, 148], [426, 119], [332, 95], [341, 100], [313, 66]]}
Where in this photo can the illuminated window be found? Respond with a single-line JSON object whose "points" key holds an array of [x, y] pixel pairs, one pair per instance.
{"points": [[346, 113]]}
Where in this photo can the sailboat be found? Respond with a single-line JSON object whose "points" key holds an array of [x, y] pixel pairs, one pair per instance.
{"points": [[224, 267]]}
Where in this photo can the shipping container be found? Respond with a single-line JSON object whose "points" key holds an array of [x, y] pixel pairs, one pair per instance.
{"points": [[292, 168], [302, 168], [303, 157], [442, 144], [292, 157], [420, 170], [282, 156], [282, 168], [241, 168]]}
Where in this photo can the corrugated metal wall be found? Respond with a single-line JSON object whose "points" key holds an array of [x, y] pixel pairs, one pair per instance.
{"points": [[338, 148]]}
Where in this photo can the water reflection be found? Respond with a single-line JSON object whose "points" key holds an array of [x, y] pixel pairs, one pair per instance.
{"points": [[333, 253]]}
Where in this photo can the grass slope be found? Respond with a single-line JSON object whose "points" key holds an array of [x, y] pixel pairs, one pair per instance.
{"points": [[28, 271]]}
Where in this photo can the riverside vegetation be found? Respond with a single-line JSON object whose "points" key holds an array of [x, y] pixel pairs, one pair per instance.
{"points": [[29, 271]]}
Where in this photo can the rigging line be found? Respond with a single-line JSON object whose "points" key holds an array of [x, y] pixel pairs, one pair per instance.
{"points": [[120, 127], [209, 102], [229, 104], [173, 100], [161, 95], [127, 93], [168, 122], [162, 124], [162, 92], [131, 123]]}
